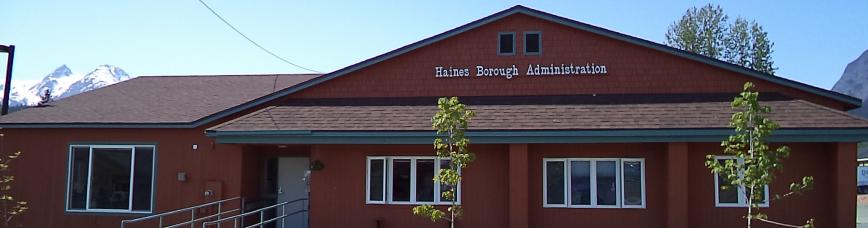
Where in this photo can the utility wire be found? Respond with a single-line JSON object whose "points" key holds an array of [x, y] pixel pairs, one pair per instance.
{"points": [[251, 40]]}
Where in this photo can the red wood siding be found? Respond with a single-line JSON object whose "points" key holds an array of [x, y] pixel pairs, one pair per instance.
{"points": [[338, 191], [806, 159], [41, 171]]}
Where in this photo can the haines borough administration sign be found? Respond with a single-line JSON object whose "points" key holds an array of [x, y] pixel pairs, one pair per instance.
{"points": [[589, 69]]}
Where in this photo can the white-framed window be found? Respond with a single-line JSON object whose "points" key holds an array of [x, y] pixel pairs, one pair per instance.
{"points": [[532, 43], [110, 178], [594, 182], [506, 43], [405, 180], [733, 196]]}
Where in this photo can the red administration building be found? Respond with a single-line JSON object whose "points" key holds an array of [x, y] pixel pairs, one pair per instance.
{"points": [[576, 126]]}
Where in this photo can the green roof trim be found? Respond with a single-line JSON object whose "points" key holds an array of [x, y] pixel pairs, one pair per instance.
{"points": [[540, 136]]}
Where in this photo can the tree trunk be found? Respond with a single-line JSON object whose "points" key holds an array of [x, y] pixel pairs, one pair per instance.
{"points": [[750, 152]]}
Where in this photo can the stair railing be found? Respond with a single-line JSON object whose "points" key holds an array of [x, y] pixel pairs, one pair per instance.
{"points": [[238, 220], [222, 211]]}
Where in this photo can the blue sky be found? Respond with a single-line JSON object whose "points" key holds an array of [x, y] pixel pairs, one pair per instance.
{"points": [[813, 40]]}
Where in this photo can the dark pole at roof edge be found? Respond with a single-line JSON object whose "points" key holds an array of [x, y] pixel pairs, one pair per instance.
{"points": [[7, 88]]}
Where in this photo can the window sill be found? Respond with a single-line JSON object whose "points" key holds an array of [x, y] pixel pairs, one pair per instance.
{"points": [[738, 205], [410, 203], [107, 212], [593, 207]]}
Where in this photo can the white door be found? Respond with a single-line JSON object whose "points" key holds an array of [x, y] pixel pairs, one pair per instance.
{"points": [[292, 174]]}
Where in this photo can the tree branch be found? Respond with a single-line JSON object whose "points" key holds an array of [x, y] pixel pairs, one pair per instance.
{"points": [[780, 223]]}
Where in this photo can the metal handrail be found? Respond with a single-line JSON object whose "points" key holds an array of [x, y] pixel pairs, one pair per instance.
{"points": [[202, 219], [261, 212], [192, 210]]}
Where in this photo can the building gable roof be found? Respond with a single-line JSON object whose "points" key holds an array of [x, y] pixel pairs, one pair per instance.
{"points": [[287, 89], [851, 101], [153, 101]]}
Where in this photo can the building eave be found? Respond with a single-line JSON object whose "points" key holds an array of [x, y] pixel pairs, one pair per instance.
{"points": [[98, 125], [529, 136]]}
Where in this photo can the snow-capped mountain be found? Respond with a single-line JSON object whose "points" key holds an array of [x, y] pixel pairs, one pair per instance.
{"points": [[62, 82], [57, 82], [101, 76], [20, 94]]}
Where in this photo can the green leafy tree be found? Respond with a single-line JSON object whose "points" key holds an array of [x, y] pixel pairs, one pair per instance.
{"points": [[761, 50], [707, 31], [700, 31], [450, 122], [755, 161]]}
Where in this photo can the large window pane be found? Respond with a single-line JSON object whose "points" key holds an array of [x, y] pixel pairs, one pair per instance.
{"points": [[375, 193], [78, 177], [410, 180], [142, 178], [606, 183], [735, 195], [632, 183], [401, 180], [531, 43], [507, 43], [425, 180], [110, 178], [445, 164], [726, 193], [580, 183], [555, 182]]}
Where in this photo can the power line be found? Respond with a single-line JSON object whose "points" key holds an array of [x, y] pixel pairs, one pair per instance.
{"points": [[251, 40]]}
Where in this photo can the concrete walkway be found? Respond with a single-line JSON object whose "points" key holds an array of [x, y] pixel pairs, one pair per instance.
{"points": [[862, 216]]}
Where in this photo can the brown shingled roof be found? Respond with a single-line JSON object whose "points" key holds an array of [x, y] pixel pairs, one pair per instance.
{"points": [[789, 114], [156, 100]]}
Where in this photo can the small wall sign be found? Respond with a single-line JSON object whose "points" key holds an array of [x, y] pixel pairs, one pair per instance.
{"points": [[589, 69]]}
